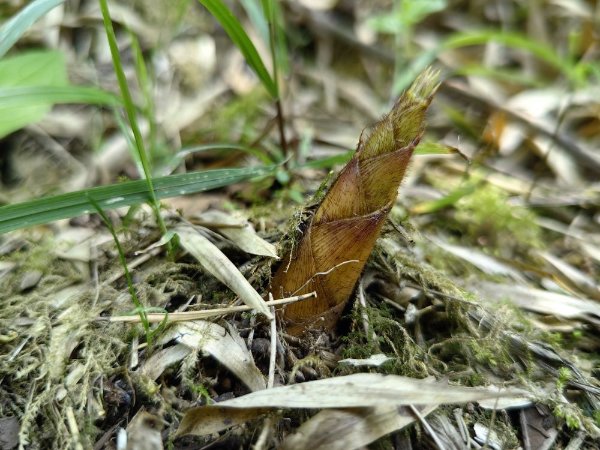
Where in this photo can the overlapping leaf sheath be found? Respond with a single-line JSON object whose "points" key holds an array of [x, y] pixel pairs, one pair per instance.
{"points": [[340, 235]]}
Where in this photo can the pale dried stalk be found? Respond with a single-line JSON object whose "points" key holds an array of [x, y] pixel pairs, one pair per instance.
{"points": [[340, 235]]}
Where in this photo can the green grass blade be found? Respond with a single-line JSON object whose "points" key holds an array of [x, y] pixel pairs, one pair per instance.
{"points": [[448, 200], [63, 206], [145, 84], [327, 162], [131, 112], [13, 29], [23, 105], [34, 68], [31, 68], [257, 18], [260, 155], [134, 298], [19, 96], [239, 37], [575, 72], [32, 82], [515, 40]]}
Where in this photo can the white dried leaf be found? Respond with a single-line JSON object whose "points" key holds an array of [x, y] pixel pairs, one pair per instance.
{"points": [[205, 420], [574, 8], [541, 301], [511, 138], [319, 5], [505, 403], [536, 103], [363, 390], [240, 232], [144, 432], [214, 340], [575, 276], [561, 161], [371, 361], [348, 429], [218, 265], [485, 435], [159, 361], [483, 262]]}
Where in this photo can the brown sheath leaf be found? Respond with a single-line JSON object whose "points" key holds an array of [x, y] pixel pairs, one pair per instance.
{"points": [[340, 235]]}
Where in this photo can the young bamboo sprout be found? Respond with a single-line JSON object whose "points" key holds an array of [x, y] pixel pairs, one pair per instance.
{"points": [[339, 237]]}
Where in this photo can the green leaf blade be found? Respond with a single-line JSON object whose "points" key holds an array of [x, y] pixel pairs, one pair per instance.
{"points": [[23, 72], [13, 29], [239, 37], [64, 206]]}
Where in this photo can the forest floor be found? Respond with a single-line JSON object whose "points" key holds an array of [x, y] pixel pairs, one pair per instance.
{"points": [[480, 301]]}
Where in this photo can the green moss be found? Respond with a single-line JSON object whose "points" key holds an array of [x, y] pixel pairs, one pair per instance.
{"points": [[490, 220], [392, 339], [564, 375], [570, 414], [201, 391], [596, 416], [239, 114]]}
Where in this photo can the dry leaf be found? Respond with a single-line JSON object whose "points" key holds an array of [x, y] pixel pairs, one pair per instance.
{"points": [[206, 420], [543, 302], [482, 261], [155, 365], [215, 262], [363, 390], [348, 429], [240, 232], [214, 340], [372, 361]]}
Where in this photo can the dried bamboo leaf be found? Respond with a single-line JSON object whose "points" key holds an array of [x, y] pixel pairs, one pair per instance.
{"points": [[240, 232], [362, 390], [154, 366], [371, 402], [543, 302], [573, 275], [339, 238], [205, 420], [348, 429], [214, 340], [215, 262], [482, 261], [372, 361]]}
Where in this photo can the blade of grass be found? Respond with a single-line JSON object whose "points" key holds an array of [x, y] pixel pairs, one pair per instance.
{"points": [[141, 71], [448, 200], [327, 162], [257, 18], [29, 68], [240, 38], [263, 157], [515, 40], [134, 298], [22, 105], [48, 209], [34, 68], [131, 112], [17, 96], [274, 40], [575, 72], [14, 28]]}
